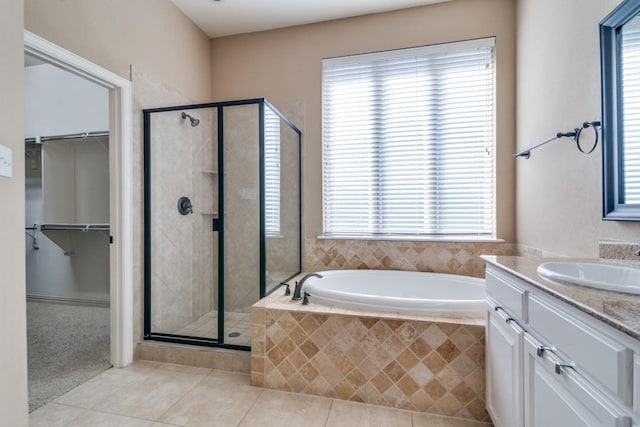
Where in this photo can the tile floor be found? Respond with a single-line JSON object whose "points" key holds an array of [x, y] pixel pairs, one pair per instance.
{"points": [[154, 394], [237, 324]]}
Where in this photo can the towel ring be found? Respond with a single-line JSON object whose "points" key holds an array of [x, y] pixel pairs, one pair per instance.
{"points": [[586, 125]]}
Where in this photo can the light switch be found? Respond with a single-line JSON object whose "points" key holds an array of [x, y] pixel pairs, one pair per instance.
{"points": [[6, 161]]}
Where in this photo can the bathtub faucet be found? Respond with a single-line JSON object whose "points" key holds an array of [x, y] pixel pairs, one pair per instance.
{"points": [[296, 293]]}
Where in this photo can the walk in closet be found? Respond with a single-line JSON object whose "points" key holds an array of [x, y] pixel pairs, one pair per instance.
{"points": [[67, 230]]}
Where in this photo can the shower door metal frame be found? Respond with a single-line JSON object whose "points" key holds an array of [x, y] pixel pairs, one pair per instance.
{"points": [[220, 106]]}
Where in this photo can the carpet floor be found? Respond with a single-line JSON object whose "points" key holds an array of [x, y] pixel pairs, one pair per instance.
{"points": [[66, 346]]}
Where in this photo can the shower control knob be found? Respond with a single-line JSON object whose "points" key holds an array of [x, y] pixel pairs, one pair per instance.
{"points": [[184, 206]]}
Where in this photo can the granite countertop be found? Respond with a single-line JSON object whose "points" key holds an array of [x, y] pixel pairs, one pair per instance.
{"points": [[617, 309]]}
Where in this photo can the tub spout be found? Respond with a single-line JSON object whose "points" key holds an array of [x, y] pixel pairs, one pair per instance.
{"points": [[296, 292]]}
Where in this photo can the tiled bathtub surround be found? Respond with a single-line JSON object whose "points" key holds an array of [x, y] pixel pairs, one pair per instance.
{"points": [[440, 257], [433, 365]]}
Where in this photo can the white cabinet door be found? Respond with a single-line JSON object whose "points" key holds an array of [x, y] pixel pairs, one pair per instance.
{"points": [[558, 396], [504, 370]]}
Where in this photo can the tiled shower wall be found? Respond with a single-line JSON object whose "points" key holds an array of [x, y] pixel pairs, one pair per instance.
{"points": [[182, 245], [242, 207], [441, 257], [148, 92]]}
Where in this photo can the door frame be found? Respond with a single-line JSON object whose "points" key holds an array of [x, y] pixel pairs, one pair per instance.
{"points": [[120, 185]]}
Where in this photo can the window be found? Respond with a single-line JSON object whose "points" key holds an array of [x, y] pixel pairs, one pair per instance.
{"points": [[272, 172], [408, 142]]}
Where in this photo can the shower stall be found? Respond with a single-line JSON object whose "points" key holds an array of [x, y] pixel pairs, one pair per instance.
{"points": [[222, 216]]}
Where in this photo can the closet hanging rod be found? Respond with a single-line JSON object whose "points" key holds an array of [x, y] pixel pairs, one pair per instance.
{"points": [[82, 135], [74, 227]]}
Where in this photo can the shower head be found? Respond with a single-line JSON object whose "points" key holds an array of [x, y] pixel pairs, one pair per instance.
{"points": [[194, 122]]}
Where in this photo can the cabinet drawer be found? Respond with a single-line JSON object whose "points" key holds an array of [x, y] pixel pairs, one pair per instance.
{"points": [[510, 297], [594, 354], [560, 396]]}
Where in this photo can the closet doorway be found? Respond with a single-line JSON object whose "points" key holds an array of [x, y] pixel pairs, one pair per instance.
{"points": [[78, 219], [67, 230]]}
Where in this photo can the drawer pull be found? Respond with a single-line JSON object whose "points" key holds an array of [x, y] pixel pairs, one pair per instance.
{"points": [[560, 366], [507, 318], [542, 348]]}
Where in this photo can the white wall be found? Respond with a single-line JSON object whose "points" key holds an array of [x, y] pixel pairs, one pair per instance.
{"points": [[559, 207], [56, 103]]}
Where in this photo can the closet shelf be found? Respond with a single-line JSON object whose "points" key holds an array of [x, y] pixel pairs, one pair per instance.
{"points": [[81, 135], [74, 227], [60, 234]]}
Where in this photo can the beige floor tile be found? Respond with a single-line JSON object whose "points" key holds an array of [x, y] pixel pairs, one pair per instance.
{"points": [[151, 396], [172, 367], [287, 410], [347, 414], [426, 420], [56, 415], [221, 399], [96, 390]]}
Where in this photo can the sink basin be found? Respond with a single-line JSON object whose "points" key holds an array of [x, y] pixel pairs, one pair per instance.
{"points": [[602, 276]]}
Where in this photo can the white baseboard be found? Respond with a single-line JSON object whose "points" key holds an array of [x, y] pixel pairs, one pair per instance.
{"points": [[71, 301]]}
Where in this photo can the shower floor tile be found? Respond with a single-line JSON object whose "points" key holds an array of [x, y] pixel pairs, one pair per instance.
{"points": [[237, 327]]}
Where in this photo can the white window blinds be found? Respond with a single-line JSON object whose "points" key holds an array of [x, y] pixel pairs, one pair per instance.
{"points": [[272, 172], [408, 138], [630, 94]]}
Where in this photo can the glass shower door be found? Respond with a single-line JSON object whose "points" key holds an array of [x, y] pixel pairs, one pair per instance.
{"points": [[222, 218], [181, 204], [242, 231]]}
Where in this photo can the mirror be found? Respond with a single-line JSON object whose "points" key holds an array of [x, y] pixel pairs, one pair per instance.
{"points": [[620, 78]]}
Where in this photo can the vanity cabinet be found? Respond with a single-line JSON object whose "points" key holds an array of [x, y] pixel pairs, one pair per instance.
{"points": [[548, 364], [557, 395], [504, 379]]}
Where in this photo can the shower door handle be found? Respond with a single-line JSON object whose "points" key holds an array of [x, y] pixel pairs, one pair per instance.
{"points": [[216, 224]]}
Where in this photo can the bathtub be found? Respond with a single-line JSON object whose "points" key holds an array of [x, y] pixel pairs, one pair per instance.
{"points": [[405, 292]]}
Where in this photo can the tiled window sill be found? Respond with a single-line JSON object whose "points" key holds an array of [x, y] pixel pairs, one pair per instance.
{"points": [[456, 239]]}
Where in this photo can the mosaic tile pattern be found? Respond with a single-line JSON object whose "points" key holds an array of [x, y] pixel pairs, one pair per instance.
{"points": [[433, 367], [440, 257]]}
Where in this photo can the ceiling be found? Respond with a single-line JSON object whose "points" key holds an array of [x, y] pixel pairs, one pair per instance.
{"points": [[228, 17]]}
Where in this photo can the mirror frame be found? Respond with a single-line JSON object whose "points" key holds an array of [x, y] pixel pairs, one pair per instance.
{"points": [[611, 78]]}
